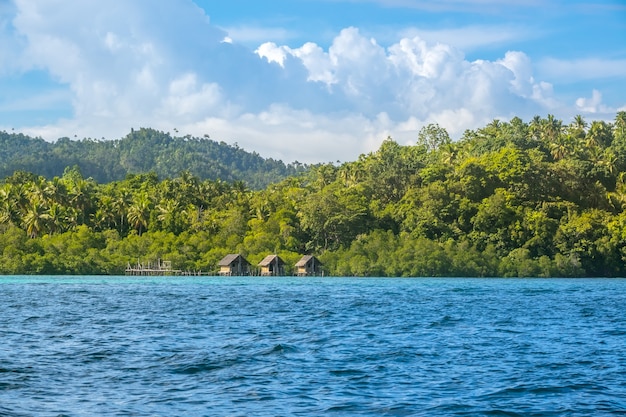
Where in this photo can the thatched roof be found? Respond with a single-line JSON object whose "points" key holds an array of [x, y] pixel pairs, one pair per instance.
{"points": [[269, 259], [305, 259], [229, 259]]}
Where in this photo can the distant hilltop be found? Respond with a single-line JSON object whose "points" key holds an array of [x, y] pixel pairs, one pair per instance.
{"points": [[141, 151]]}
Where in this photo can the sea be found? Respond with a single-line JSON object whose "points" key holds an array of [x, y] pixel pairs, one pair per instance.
{"points": [[250, 346]]}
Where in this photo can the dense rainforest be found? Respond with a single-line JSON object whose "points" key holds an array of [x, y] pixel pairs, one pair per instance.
{"points": [[141, 151], [539, 198]]}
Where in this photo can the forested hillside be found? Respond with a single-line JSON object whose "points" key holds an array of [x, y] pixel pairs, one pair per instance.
{"points": [[538, 198], [142, 151]]}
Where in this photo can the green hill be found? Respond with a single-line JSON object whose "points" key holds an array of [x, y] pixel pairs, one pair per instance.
{"points": [[141, 151]]}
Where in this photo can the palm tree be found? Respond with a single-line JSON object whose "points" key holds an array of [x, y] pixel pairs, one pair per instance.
{"points": [[617, 198], [619, 128], [55, 191], [57, 218], [600, 134], [609, 161], [187, 187], [139, 213], [449, 153], [35, 219], [577, 128], [579, 122], [37, 190], [9, 210], [105, 217], [120, 206], [19, 195], [169, 215], [561, 147], [551, 128], [494, 128], [535, 127], [80, 196]]}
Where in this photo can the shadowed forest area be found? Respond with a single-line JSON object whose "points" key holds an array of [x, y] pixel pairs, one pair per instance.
{"points": [[539, 198], [141, 151]]}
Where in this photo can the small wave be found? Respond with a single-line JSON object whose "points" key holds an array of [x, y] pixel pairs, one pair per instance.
{"points": [[509, 331], [502, 413], [611, 406], [280, 348], [588, 312], [97, 356], [417, 350], [79, 291], [445, 321], [185, 365], [539, 390], [537, 291], [347, 372], [197, 368], [5, 386], [348, 407], [616, 332], [460, 409], [25, 370], [5, 412]]}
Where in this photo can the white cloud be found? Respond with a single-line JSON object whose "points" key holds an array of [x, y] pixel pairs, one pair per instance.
{"points": [[122, 69], [188, 101], [414, 78], [273, 53], [592, 104], [282, 132]]}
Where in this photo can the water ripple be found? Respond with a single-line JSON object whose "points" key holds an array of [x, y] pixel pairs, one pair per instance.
{"points": [[81, 346]]}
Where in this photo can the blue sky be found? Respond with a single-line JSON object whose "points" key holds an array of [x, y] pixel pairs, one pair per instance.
{"points": [[306, 80]]}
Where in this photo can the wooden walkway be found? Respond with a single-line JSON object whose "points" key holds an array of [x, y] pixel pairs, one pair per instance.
{"points": [[158, 268]]}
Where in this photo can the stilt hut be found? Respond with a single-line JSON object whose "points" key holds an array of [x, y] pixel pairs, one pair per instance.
{"points": [[308, 266], [234, 265], [272, 265]]}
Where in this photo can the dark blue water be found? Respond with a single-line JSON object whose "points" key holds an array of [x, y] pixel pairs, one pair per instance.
{"points": [[116, 346]]}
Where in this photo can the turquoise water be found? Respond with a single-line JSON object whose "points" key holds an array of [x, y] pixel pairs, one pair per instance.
{"points": [[198, 346]]}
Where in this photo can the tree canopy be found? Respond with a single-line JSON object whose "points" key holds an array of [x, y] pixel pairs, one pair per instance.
{"points": [[543, 198], [140, 152]]}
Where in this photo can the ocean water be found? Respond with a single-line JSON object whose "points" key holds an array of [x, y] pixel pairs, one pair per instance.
{"points": [[204, 346]]}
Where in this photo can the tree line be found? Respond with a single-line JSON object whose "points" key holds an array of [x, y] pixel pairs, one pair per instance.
{"points": [[539, 198], [141, 151]]}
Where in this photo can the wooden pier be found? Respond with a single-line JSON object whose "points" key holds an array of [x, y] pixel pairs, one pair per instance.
{"points": [[158, 268]]}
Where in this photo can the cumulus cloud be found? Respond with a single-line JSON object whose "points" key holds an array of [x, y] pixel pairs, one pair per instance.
{"points": [[414, 78], [592, 104], [133, 64], [289, 134]]}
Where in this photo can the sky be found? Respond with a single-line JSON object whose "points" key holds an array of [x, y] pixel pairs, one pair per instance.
{"points": [[305, 80]]}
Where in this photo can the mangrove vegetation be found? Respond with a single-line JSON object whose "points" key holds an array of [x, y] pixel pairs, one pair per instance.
{"points": [[539, 198]]}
